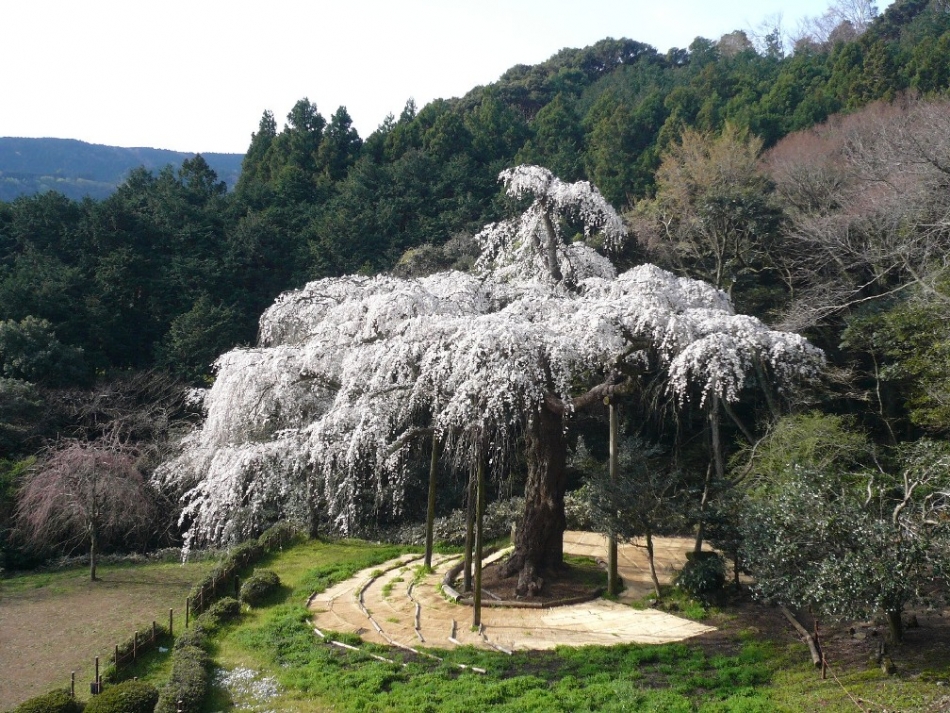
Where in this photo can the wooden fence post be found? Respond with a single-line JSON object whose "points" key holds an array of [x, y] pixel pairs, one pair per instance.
{"points": [[135, 643], [187, 610], [171, 620], [72, 685], [116, 656]]}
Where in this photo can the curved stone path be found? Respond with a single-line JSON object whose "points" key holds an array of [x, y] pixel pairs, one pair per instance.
{"points": [[391, 605]]}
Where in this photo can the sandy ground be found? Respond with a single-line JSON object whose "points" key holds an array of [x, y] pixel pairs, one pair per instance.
{"points": [[48, 632], [391, 603]]}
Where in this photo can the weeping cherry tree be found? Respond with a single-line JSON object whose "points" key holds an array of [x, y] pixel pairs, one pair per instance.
{"points": [[322, 419]]}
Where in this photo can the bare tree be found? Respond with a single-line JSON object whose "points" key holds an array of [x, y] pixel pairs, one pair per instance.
{"points": [[869, 204], [713, 216], [84, 492], [843, 21]]}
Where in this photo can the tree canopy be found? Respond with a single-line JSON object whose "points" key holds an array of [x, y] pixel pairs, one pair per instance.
{"points": [[319, 419]]}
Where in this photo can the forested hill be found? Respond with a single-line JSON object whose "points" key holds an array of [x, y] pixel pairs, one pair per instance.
{"points": [[172, 269], [77, 169]]}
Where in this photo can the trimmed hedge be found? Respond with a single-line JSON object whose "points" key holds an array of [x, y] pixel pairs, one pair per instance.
{"points": [[259, 586], [279, 536], [126, 697], [58, 701], [189, 680], [221, 612]]}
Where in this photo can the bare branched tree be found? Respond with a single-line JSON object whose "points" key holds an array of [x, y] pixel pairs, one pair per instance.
{"points": [[869, 205]]}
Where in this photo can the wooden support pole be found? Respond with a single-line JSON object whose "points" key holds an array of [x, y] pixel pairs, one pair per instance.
{"points": [[469, 534], [613, 578], [187, 610], [115, 656], [479, 517], [72, 685], [430, 510], [171, 622]]}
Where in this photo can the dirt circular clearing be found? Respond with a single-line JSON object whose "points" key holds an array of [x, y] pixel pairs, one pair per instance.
{"points": [[395, 604]]}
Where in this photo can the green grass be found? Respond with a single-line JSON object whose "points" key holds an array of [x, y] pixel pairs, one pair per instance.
{"points": [[675, 601], [750, 675]]}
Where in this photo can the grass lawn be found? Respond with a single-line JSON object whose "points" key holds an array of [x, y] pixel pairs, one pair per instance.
{"points": [[55, 622], [743, 668], [751, 664]]}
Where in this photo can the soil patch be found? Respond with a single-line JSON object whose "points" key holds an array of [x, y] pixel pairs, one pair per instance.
{"points": [[54, 623], [577, 580]]}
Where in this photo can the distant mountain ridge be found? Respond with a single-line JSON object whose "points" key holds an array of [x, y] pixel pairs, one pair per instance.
{"points": [[78, 169]]}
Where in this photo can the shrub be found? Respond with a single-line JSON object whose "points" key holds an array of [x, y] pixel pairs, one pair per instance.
{"points": [[279, 536], [196, 636], [127, 697], [259, 587], [58, 701], [703, 574], [221, 612], [188, 682]]}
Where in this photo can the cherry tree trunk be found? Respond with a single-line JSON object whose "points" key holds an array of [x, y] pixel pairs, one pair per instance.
{"points": [[539, 540]]}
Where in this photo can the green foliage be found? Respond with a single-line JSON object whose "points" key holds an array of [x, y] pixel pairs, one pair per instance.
{"points": [[843, 542], [30, 351], [125, 697], [189, 680], [197, 337], [58, 701], [226, 609], [703, 575], [280, 535], [21, 414], [259, 587]]}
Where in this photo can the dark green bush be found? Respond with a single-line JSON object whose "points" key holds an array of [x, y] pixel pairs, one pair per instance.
{"points": [[279, 536], [703, 574], [221, 612], [246, 554], [189, 680], [58, 701], [195, 635], [126, 697], [259, 587]]}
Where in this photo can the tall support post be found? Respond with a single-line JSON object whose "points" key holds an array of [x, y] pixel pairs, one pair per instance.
{"points": [[479, 517], [613, 578], [430, 512], [469, 534]]}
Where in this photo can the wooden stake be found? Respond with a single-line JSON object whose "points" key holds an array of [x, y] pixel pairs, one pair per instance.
{"points": [[171, 621]]}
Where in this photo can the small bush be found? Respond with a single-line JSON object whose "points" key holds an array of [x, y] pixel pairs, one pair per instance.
{"points": [[196, 635], [703, 574], [58, 701], [221, 612], [188, 683], [259, 587], [127, 697], [279, 536]]}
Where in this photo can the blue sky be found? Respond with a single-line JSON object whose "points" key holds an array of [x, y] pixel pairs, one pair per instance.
{"points": [[196, 75]]}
